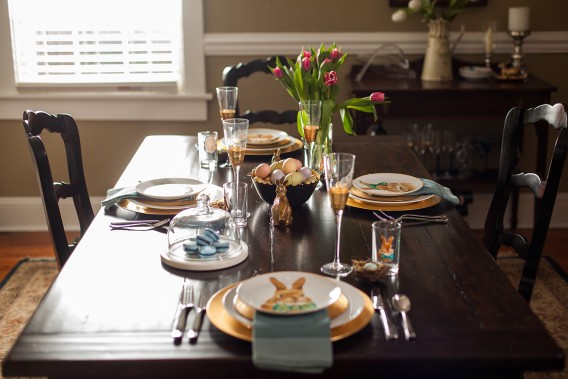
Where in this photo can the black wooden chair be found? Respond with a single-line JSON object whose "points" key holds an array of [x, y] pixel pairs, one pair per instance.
{"points": [[231, 77], [34, 124], [511, 177]]}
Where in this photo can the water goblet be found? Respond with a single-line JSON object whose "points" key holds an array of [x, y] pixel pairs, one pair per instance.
{"points": [[310, 115], [236, 132], [338, 168], [227, 99]]}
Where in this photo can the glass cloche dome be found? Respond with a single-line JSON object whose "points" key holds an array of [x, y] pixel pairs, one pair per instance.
{"points": [[202, 238]]}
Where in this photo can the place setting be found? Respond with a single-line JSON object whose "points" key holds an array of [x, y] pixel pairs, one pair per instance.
{"points": [[265, 141], [310, 310], [161, 196], [397, 192]]}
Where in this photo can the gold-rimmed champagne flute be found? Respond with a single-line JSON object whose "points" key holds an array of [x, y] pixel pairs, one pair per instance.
{"points": [[338, 168], [236, 133], [310, 116], [227, 99]]}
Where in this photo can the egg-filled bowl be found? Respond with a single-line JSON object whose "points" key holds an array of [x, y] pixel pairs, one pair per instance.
{"points": [[300, 182]]}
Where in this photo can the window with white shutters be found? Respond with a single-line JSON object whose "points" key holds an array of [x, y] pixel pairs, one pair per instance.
{"points": [[96, 42]]}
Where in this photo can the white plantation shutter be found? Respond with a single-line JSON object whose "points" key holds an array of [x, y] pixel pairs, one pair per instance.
{"points": [[96, 42]]}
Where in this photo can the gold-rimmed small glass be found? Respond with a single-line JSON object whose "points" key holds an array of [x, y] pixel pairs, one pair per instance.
{"points": [[236, 132], [339, 169], [227, 99]]}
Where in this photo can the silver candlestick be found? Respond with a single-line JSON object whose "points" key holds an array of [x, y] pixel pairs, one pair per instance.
{"points": [[488, 56], [517, 56]]}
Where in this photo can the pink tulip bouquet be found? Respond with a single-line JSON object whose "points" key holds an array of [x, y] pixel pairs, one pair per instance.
{"points": [[313, 76]]}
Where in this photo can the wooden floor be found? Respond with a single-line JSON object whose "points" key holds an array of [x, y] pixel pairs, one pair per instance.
{"points": [[17, 245]]}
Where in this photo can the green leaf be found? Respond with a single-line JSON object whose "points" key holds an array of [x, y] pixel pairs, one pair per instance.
{"points": [[299, 124], [347, 121], [327, 112]]}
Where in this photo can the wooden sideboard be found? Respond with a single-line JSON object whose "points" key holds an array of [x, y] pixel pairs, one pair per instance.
{"points": [[484, 102]]}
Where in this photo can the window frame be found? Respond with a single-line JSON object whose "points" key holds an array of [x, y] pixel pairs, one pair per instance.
{"points": [[187, 103]]}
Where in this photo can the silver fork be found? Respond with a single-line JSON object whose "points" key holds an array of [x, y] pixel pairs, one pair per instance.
{"points": [[411, 217], [184, 306], [193, 332], [139, 224]]}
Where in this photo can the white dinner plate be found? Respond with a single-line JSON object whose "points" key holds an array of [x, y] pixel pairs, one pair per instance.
{"points": [[417, 199], [259, 136], [354, 309], [282, 293], [170, 188], [388, 184]]}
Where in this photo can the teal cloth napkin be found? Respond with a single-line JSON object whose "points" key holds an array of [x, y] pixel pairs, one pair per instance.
{"points": [[292, 343], [116, 195], [432, 187]]}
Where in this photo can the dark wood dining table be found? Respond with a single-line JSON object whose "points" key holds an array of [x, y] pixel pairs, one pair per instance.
{"points": [[109, 313]]}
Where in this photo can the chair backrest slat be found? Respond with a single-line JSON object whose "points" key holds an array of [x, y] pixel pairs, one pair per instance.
{"points": [[231, 77]]}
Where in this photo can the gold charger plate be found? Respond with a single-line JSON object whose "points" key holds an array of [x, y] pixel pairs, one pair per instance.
{"points": [[363, 197], [286, 142], [138, 208], [223, 321], [406, 207], [293, 144], [215, 194]]}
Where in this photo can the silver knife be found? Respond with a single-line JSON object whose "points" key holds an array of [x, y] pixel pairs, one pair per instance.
{"points": [[200, 310], [184, 306], [391, 332]]}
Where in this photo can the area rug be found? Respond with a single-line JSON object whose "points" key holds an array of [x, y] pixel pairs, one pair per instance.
{"points": [[549, 302], [24, 287], [20, 292]]}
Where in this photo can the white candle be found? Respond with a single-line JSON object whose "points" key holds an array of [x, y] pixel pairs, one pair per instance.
{"points": [[489, 40], [519, 18]]}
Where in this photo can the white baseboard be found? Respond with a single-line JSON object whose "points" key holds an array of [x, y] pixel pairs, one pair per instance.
{"points": [[25, 214], [18, 214]]}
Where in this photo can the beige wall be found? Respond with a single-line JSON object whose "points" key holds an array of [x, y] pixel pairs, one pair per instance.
{"points": [[107, 146]]}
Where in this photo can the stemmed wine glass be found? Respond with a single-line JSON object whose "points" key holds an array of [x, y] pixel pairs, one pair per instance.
{"points": [[338, 168], [310, 115], [236, 133], [227, 99]]}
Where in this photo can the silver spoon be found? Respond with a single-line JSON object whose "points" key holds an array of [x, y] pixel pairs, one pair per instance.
{"points": [[402, 304]]}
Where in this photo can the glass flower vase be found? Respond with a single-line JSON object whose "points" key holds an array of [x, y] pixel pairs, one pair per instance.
{"points": [[314, 153]]}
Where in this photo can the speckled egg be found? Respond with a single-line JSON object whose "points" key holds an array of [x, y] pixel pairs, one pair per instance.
{"points": [[306, 172], [262, 170], [277, 175], [370, 266], [289, 165], [276, 166], [294, 178]]}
